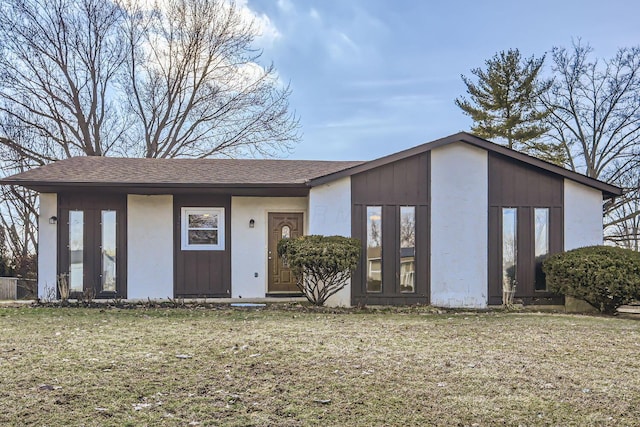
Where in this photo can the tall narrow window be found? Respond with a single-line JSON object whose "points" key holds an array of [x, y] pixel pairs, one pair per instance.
{"points": [[407, 248], [374, 249], [76, 251], [541, 234], [108, 251], [509, 249]]}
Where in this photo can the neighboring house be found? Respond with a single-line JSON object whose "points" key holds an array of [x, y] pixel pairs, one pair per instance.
{"points": [[451, 223]]}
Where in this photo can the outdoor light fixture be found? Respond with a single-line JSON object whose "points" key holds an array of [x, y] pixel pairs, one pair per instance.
{"points": [[252, 223], [53, 220]]}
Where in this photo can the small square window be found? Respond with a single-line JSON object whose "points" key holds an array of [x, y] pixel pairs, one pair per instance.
{"points": [[202, 229]]}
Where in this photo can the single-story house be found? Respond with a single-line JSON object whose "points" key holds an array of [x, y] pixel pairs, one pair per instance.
{"points": [[454, 222]]}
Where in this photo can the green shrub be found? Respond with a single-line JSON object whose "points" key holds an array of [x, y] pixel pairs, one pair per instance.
{"points": [[320, 264], [606, 277]]}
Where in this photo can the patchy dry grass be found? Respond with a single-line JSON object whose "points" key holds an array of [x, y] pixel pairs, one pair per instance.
{"points": [[77, 366]]}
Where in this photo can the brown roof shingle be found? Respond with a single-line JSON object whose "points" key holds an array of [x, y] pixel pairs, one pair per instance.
{"points": [[181, 172]]}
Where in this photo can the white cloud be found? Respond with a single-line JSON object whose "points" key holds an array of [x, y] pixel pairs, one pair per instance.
{"points": [[266, 31], [314, 14], [285, 5]]}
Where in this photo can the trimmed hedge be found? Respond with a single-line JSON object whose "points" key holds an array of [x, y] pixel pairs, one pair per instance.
{"points": [[320, 264], [604, 276]]}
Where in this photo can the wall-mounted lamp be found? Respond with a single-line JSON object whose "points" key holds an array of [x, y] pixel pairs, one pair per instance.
{"points": [[252, 223], [53, 220]]}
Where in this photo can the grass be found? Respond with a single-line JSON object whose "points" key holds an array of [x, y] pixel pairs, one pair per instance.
{"points": [[291, 367]]}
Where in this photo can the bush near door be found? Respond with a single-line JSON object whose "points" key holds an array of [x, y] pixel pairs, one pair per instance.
{"points": [[321, 264]]}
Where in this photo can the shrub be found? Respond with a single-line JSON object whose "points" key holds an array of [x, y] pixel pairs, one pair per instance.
{"points": [[320, 264], [606, 277]]}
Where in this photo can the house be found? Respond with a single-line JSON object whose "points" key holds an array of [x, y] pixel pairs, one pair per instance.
{"points": [[454, 222]]}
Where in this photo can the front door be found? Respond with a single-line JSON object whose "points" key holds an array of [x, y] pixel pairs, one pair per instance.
{"points": [[92, 245], [522, 237], [282, 225]]}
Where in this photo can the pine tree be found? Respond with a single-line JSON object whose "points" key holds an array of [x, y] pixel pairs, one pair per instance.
{"points": [[504, 104]]}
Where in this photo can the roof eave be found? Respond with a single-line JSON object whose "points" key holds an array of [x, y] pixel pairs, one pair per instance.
{"points": [[156, 185], [608, 190]]}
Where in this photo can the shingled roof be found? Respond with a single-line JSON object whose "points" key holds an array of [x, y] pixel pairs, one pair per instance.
{"points": [[246, 177], [136, 172]]}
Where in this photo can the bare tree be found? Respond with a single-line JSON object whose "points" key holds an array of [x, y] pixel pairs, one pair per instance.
{"points": [[58, 60], [595, 116], [179, 78], [623, 226], [104, 77], [196, 89], [18, 212]]}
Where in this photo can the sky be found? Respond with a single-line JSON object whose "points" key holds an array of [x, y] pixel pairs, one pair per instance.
{"points": [[372, 77]]}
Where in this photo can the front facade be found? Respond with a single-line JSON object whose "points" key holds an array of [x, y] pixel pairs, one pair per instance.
{"points": [[459, 222]]}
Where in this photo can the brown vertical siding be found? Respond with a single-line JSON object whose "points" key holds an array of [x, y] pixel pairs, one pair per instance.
{"points": [[401, 183], [513, 183], [519, 185], [202, 273]]}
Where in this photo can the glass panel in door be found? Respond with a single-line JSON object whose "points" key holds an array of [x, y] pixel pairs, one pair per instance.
{"points": [[76, 251], [541, 236], [108, 251], [407, 248], [374, 249], [509, 250]]}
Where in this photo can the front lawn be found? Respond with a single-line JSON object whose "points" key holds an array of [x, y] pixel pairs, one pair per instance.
{"points": [[290, 367]]}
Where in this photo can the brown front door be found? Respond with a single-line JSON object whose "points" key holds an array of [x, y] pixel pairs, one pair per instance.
{"points": [[282, 225], [92, 244]]}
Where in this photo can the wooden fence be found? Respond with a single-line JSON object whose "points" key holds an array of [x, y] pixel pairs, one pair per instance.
{"points": [[8, 288]]}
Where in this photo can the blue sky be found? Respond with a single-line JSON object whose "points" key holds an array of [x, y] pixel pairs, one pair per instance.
{"points": [[371, 77]]}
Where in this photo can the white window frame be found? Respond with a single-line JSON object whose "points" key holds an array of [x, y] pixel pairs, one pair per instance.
{"points": [[184, 228]]}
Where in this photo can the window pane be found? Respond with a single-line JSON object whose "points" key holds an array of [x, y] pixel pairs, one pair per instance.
{"points": [[374, 249], [203, 237], [202, 229], [109, 251], [203, 221], [509, 248], [286, 232], [407, 248], [541, 245], [76, 250]]}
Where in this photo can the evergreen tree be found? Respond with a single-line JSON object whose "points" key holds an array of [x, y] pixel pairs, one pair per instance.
{"points": [[504, 104]]}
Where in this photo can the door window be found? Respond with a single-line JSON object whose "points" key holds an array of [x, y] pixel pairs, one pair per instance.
{"points": [[374, 249], [509, 248], [108, 251], [541, 236], [407, 248], [76, 251]]}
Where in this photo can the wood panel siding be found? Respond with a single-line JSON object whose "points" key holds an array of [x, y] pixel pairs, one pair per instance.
{"points": [[92, 205], [514, 184], [203, 273], [402, 183]]}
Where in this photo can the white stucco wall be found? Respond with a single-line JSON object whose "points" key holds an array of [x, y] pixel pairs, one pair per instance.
{"points": [[249, 245], [149, 246], [330, 215], [582, 215], [47, 245], [459, 221]]}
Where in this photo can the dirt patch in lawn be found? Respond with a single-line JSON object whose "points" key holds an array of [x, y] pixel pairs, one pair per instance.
{"points": [[299, 367]]}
